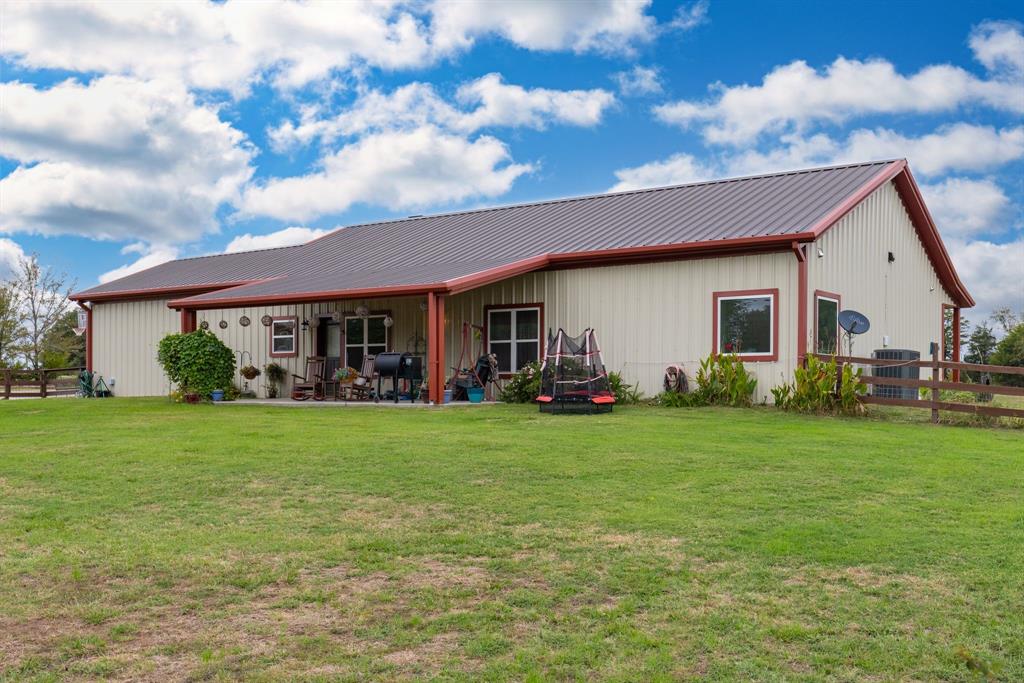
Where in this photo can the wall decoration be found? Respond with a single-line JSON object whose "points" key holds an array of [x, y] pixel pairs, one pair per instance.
{"points": [[223, 324], [204, 325], [244, 321], [266, 320]]}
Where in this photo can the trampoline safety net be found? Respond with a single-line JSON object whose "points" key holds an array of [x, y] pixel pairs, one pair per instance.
{"points": [[573, 376]]}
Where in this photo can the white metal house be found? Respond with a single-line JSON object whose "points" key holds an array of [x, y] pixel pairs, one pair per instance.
{"points": [[759, 266]]}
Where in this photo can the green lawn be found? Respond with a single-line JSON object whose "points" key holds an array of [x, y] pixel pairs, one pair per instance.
{"points": [[140, 539]]}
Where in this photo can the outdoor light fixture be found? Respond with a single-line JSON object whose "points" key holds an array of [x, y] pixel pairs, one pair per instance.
{"points": [[821, 253], [388, 321], [305, 325], [362, 310], [423, 306]]}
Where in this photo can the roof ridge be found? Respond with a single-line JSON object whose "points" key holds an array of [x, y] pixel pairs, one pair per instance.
{"points": [[565, 200]]}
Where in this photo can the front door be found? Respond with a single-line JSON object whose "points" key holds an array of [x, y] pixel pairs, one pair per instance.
{"points": [[328, 345]]}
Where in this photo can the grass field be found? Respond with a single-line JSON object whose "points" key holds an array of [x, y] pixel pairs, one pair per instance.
{"points": [[144, 540]]}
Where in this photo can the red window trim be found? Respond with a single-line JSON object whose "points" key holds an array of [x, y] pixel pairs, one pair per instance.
{"points": [[747, 357], [295, 336], [821, 293], [508, 307]]}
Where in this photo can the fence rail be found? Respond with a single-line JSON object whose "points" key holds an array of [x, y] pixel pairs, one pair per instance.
{"points": [[936, 383], [45, 382]]}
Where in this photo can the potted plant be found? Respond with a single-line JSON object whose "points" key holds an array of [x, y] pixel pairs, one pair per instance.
{"points": [[275, 377], [250, 372]]}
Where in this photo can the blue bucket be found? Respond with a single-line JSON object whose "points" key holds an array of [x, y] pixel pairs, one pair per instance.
{"points": [[217, 395], [475, 394]]}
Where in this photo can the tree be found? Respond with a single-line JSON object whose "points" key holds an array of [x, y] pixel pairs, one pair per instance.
{"points": [[43, 303], [947, 332], [1006, 319], [11, 331], [1010, 351], [61, 346], [980, 344]]}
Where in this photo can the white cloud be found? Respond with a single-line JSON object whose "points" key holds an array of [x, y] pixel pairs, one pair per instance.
{"points": [[675, 170], [286, 237], [992, 273], [149, 256], [793, 96], [640, 80], [118, 159], [231, 45], [11, 254], [963, 206], [395, 169], [689, 17], [497, 104], [609, 26], [999, 45]]}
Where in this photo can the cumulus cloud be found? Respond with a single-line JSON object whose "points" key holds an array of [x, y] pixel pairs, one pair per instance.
{"points": [[965, 206], [488, 102], [640, 80], [395, 169], [793, 96], [689, 17], [117, 158], [11, 254], [231, 45], [992, 273], [675, 170], [286, 237], [149, 256], [607, 26]]}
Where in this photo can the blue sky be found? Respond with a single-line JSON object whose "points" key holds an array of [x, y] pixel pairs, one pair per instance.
{"points": [[131, 134]]}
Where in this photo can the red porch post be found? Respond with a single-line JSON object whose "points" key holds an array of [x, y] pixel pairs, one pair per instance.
{"points": [[188, 320], [801, 302], [88, 335], [435, 346], [956, 342]]}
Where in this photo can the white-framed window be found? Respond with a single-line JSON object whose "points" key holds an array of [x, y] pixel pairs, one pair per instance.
{"points": [[826, 323], [364, 336], [513, 336], [283, 336], [746, 323]]}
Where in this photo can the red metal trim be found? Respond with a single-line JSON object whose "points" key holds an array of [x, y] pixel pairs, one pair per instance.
{"points": [[295, 336], [746, 357], [435, 386], [885, 175], [822, 294], [88, 335], [160, 292], [306, 297], [910, 193], [506, 307], [956, 342], [188, 320], [801, 301]]}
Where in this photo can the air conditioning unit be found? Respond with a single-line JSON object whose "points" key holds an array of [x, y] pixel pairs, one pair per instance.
{"points": [[899, 371]]}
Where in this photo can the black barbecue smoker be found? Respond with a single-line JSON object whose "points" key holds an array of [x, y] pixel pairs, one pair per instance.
{"points": [[398, 366]]}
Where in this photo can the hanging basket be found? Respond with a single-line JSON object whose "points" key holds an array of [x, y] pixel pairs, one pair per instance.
{"points": [[250, 372]]}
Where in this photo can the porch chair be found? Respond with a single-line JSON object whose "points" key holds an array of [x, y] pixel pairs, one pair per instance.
{"points": [[363, 384], [306, 386]]}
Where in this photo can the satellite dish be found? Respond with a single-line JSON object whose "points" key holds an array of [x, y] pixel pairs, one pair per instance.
{"points": [[853, 323]]}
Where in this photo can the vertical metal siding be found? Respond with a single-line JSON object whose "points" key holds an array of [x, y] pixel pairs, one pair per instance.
{"points": [[904, 299], [125, 339]]}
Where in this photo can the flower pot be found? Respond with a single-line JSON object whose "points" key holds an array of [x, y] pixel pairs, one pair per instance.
{"points": [[447, 395], [217, 395], [475, 394], [192, 398]]}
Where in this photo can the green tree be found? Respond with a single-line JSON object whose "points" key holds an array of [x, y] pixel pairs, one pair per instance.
{"points": [[61, 346], [12, 333], [43, 302], [1010, 351], [1006, 319]]}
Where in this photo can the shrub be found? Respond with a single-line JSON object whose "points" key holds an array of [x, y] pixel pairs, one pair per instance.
{"points": [[814, 389], [524, 386], [624, 393], [198, 362], [1010, 351], [275, 378], [722, 380], [677, 399]]}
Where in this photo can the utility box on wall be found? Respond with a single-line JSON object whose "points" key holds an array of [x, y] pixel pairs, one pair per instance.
{"points": [[896, 371]]}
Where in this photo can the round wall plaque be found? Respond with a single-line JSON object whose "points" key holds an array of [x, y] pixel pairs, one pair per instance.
{"points": [[244, 321], [266, 320], [204, 325], [223, 324]]}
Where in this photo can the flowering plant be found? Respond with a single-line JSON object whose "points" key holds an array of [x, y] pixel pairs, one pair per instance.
{"points": [[345, 374]]}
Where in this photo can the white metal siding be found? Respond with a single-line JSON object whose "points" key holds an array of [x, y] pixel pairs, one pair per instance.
{"points": [[125, 338], [902, 299]]}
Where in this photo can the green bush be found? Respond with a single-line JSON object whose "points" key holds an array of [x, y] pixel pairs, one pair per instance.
{"points": [[1010, 351], [676, 399], [198, 362], [524, 386], [722, 380], [625, 394], [813, 389]]}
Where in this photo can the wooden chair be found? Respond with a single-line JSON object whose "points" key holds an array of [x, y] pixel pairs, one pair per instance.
{"points": [[363, 384], [306, 386]]}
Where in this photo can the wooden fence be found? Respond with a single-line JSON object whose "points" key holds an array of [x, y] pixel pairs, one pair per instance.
{"points": [[936, 383], [20, 383]]}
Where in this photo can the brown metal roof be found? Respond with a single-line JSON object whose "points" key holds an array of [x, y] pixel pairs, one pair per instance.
{"points": [[433, 252]]}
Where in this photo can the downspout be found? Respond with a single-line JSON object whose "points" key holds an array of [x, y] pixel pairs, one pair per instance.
{"points": [[801, 304], [88, 335]]}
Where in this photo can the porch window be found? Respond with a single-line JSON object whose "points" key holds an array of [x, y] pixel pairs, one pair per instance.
{"points": [[746, 323], [513, 335], [283, 338], [826, 326], [364, 336]]}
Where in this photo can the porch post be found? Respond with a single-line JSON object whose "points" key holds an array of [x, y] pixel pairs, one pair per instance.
{"points": [[433, 366], [956, 342], [188, 320], [440, 348], [801, 302], [88, 335]]}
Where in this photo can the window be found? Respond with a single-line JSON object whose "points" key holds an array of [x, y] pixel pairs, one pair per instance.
{"points": [[513, 335], [283, 337], [746, 323], [364, 336], [826, 323]]}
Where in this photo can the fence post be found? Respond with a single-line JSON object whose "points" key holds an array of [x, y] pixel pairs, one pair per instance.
{"points": [[42, 383], [936, 374], [7, 384]]}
